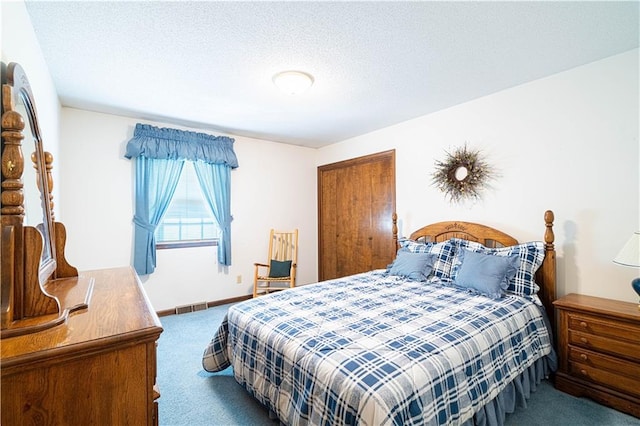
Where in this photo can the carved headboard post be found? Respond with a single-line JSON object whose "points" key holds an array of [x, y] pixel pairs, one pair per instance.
{"points": [[547, 272], [394, 229]]}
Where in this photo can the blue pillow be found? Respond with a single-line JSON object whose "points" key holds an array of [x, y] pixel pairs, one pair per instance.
{"points": [[485, 274], [444, 254], [531, 255], [416, 266], [279, 268]]}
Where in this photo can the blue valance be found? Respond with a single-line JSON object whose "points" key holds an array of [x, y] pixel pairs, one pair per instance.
{"points": [[173, 144]]}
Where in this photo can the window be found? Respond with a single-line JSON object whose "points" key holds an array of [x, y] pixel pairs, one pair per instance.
{"points": [[160, 155], [188, 221]]}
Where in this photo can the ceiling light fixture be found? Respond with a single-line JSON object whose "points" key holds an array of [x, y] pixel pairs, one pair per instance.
{"points": [[293, 82]]}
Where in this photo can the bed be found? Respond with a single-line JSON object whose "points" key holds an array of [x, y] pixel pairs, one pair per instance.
{"points": [[455, 331]]}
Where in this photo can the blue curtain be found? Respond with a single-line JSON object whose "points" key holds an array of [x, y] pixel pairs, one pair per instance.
{"points": [[160, 154], [155, 184], [215, 181], [172, 144]]}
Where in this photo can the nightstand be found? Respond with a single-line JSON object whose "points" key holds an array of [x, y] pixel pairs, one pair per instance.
{"points": [[599, 350]]}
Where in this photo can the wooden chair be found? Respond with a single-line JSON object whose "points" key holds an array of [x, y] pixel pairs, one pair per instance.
{"points": [[281, 269]]}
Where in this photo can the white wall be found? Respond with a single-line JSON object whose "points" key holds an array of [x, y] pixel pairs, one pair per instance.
{"points": [[19, 44], [273, 187], [568, 143]]}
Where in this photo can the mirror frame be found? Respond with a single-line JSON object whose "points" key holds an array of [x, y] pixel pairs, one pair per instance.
{"points": [[17, 89], [38, 291]]}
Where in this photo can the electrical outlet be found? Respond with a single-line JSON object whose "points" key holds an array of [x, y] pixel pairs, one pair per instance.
{"points": [[239, 279]]}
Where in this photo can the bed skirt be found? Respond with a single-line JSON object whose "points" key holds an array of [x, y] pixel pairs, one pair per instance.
{"points": [[515, 394]]}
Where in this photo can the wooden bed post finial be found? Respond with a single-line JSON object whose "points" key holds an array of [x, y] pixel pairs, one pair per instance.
{"points": [[549, 237], [394, 229]]}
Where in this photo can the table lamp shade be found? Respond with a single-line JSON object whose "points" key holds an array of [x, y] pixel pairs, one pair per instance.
{"points": [[630, 256], [630, 253]]}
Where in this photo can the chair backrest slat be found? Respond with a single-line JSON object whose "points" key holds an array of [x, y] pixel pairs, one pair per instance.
{"points": [[283, 245]]}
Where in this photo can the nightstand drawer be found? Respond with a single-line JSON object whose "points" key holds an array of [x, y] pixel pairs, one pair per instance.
{"points": [[604, 328], [616, 365], [602, 344], [606, 378]]}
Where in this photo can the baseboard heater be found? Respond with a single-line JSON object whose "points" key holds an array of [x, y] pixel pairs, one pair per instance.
{"points": [[191, 308], [200, 306]]}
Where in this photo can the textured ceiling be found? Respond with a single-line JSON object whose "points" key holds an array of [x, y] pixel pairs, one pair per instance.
{"points": [[209, 65]]}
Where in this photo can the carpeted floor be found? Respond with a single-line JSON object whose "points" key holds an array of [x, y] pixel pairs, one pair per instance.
{"points": [[191, 396]]}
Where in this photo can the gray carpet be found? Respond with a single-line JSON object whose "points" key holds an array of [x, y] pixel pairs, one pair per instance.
{"points": [[191, 396]]}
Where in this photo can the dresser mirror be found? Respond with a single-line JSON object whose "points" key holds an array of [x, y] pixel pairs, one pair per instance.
{"points": [[39, 289], [18, 97], [36, 207], [34, 212]]}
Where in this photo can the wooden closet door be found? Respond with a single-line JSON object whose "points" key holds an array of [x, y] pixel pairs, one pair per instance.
{"points": [[356, 202]]}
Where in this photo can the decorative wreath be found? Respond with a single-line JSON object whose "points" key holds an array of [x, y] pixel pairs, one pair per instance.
{"points": [[462, 175]]}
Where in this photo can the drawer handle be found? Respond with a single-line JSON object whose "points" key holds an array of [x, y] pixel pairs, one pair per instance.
{"points": [[583, 324], [583, 356], [583, 372], [584, 340]]}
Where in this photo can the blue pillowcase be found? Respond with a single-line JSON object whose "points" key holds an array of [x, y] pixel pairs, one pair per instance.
{"points": [[485, 274], [444, 255], [416, 266], [530, 254]]}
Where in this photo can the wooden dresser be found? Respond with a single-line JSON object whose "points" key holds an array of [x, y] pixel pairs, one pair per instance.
{"points": [[599, 350], [97, 368]]}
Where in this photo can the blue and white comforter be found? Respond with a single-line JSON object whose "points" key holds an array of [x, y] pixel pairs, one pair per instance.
{"points": [[373, 349]]}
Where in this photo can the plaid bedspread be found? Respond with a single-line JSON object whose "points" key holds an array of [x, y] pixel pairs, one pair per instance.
{"points": [[373, 349]]}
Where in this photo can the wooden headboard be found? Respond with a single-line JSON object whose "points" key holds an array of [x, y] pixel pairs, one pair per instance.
{"points": [[490, 237]]}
